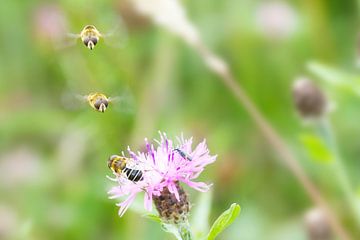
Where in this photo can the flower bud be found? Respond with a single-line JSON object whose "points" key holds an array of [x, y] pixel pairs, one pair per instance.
{"points": [[317, 225], [309, 100]]}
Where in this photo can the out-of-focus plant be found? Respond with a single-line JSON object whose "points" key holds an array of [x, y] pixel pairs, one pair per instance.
{"points": [[317, 225], [171, 15], [158, 173], [276, 19], [322, 144], [335, 77]]}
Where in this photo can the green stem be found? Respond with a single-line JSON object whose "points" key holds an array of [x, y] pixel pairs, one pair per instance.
{"points": [[325, 131], [184, 231], [181, 230]]}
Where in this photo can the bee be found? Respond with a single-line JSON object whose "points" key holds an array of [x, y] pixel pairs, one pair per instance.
{"points": [[183, 154], [119, 165]]}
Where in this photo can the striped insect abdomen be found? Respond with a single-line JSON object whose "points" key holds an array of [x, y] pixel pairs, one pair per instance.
{"points": [[133, 174]]}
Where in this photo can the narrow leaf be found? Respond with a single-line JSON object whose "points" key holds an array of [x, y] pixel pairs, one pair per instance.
{"points": [[316, 148], [335, 77], [224, 220]]}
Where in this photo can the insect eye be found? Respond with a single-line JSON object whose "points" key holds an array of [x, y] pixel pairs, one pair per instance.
{"points": [[94, 40], [86, 41], [101, 101], [106, 103]]}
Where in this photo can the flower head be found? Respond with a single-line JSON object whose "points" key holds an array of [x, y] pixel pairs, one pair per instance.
{"points": [[317, 224], [50, 23], [276, 19], [163, 166], [309, 100]]}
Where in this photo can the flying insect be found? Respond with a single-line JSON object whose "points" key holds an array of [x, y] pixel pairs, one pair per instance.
{"points": [[119, 165], [98, 101], [90, 36]]}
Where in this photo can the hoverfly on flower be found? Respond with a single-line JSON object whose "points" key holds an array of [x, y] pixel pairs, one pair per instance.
{"points": [[161, 167], [121, 165]]}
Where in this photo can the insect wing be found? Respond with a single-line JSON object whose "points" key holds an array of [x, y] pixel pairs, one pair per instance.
{"points": [[124, 104], [72, 101], [115, 33], [68, 40]]}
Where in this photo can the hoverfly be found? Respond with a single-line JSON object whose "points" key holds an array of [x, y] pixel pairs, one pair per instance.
{"points": [[98, 101], [120, 165], [91, 35]]}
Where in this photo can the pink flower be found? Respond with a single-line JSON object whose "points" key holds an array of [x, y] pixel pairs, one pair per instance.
{"points": [[162, 167], [50, 23], [276, 19]]}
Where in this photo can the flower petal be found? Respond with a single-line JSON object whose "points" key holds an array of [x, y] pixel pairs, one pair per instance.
{"points": [[126, 204]]}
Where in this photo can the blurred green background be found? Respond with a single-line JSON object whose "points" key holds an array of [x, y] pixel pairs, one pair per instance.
{"points": [[53, 149]]}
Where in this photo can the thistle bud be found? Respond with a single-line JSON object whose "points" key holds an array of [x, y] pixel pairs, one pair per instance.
{"points": [[171, 209], [317, 225], [309, 100]]}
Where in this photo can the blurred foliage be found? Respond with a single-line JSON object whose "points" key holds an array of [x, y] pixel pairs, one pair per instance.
{"points": [[53, 151], [316, 148]]}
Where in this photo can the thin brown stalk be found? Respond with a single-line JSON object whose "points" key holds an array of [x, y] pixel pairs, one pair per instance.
{"points": [[287, 157]]}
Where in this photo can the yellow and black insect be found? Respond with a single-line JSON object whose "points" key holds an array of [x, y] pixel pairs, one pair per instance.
{"points": [[98, 101], [183, 154], [118, 165], [91, 36], [101, 102]]}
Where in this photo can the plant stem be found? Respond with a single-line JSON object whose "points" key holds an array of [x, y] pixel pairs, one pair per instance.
{"points": [[219, 67], [180, 230], [184, 231], [324, 129]]}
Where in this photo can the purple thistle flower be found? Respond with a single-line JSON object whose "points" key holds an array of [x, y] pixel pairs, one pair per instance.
{"points": [[163, 167]]}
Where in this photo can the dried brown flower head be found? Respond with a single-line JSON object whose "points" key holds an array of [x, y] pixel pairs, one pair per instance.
{"points": [[309, 100]]}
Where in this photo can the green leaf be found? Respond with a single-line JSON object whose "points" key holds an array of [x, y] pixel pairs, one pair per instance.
{"points": [[335, 77], [224, 220], [153, 217], [316, 148]]}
